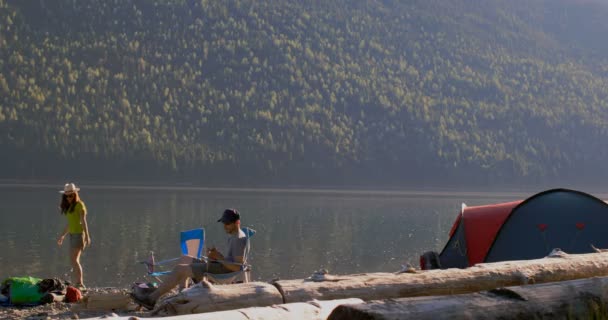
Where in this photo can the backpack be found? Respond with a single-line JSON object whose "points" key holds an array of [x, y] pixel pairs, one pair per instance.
{"points": [[51, 285], [72, 294], [22, 290]]}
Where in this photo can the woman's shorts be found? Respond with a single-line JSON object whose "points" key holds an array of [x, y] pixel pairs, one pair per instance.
{"points": [[77, 241]]}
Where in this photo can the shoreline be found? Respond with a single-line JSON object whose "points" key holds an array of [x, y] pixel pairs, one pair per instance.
{"points": [[64, 310], [422, 192]]}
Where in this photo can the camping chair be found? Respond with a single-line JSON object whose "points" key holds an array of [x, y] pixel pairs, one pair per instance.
{"points": [[243, 275], [191, 244]]}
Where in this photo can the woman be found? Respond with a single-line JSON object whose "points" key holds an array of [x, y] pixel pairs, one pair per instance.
{"points": [[76, 212]]}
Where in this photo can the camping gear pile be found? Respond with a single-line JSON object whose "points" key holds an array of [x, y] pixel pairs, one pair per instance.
{"points": [[34, 291]]}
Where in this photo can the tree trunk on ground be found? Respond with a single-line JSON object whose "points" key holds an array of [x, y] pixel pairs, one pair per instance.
{"points": [[575, 299], [50, 297], [103, 302], [313, 310], [481, 277], [377, 286], [207, 298]]}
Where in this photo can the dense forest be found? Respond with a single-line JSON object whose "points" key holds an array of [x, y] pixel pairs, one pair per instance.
{"points": [[309, 93]]}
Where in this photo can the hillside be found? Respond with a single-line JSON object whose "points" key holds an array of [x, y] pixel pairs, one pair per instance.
{"points": [[376, 93]]}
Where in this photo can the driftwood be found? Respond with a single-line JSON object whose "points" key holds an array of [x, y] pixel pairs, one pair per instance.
{"points": [[313, 310], [375, 286], [379, 286], [574, 299], [50, 297], [205, 297], [103, 302]]}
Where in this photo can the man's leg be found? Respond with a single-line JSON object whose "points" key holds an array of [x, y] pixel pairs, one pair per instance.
{"points": [[186, 260], [179, 274]]}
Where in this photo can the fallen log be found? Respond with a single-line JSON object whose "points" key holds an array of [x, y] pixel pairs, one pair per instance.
{"points": [[313, 310], [574, 299], [377, 286], [51, 297], [205, 297], [103, 302], [374, 286]]}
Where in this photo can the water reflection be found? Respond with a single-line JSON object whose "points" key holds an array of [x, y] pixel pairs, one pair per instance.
{"points": [[298, 233]]}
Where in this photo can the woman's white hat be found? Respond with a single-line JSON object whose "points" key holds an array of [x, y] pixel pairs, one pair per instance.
{"points": [[69, 188]]}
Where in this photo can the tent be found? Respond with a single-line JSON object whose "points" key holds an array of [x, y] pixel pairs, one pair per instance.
{"points": [[571, 220]]}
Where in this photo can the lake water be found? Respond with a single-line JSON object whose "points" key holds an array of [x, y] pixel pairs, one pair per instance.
{"points": [[298, 231]]}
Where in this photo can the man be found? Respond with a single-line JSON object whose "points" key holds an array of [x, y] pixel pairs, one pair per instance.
{"points": [[189, 267]]}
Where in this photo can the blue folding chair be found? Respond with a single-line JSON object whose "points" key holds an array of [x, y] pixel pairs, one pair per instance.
{"points": [[191, 244], [244, 274]]}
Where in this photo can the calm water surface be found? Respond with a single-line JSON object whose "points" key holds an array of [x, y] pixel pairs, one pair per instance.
{"points": [[298, 231]]}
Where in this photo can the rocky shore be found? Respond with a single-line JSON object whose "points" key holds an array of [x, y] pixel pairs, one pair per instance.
{"points": [[60, 310]]}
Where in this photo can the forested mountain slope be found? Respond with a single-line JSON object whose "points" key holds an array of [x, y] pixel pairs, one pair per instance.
{"points": [[386, 92]]}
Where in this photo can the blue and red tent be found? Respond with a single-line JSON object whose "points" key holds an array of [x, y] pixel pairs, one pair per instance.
{"points": [[571, 220]]}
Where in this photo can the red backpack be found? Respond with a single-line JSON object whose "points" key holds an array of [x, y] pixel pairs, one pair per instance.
{"points": [[72, 294]]}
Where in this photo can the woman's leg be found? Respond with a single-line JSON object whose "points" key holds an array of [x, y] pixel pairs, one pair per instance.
{"points": [[76, 267]]}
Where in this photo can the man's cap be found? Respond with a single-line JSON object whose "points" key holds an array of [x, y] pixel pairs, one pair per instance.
{"points": [[229, 216]]}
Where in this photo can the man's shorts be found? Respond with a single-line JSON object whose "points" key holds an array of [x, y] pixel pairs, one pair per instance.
{"points": [[200, 268], [77, 241]]}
